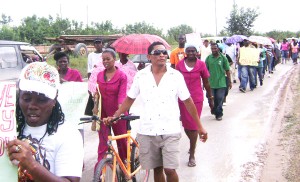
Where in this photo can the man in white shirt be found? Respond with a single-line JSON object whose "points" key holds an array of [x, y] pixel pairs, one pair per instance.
{"points": [[94, 58], [205, 50], [160, 128], [231, 51]]}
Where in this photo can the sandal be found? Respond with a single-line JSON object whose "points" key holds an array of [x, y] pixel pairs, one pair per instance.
{"points": [[192, 163]]}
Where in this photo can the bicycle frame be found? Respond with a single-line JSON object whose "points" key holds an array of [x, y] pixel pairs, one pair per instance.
{"points": [[126, 168]]}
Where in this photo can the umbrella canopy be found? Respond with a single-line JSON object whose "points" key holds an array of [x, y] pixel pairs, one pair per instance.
{"points": [[272, 40], [137, 43], [235, 38], [260, 40]]}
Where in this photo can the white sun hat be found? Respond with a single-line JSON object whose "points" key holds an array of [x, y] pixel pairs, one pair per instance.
{"points": [[40, 77]]}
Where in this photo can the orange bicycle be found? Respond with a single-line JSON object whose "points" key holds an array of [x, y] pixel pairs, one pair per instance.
{"points": [[112, 168]]}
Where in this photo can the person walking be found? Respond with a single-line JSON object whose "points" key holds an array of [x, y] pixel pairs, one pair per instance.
{"points": [[178, 53], [160, 129], [112, 85], [295, 50], [284, 47], [94, 60], [205, 50], [194, 72], [217, 65]]}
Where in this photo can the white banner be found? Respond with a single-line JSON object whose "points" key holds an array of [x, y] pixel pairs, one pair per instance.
{"points": [[73, 97], [8, 172]]}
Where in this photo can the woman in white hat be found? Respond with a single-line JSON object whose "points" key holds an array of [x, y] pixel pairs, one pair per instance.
{"points": [[47, 149]]}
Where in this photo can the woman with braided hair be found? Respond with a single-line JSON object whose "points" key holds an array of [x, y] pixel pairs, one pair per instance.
{"points": [[47, 148]]}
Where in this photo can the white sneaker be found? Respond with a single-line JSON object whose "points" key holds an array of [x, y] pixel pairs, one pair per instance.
{"points": [[224, 104], [269, 75]]}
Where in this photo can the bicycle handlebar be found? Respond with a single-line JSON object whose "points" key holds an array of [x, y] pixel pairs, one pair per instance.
{"points": [[96, 118]]}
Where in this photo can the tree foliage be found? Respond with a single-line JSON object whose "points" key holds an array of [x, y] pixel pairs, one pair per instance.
{"points": [[241, 21], [5, 19], [174, 32], [34, 29]]}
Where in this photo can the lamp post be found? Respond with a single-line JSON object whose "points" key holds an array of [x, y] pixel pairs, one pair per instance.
{"points": [[216, 17]]}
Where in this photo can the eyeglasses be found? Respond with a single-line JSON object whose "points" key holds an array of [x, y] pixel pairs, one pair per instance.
{"points": [[158, 52]]}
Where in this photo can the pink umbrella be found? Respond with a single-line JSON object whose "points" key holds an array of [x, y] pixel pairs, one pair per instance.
{"points": [[272, 40], [137, 43], [92, 83]]}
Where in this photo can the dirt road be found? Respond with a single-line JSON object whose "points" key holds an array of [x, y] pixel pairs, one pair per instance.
{"points": [[237, 146]]}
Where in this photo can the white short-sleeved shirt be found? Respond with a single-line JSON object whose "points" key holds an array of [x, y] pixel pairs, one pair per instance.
{"points": [[62, 151], [93, 60], [160, 111]]}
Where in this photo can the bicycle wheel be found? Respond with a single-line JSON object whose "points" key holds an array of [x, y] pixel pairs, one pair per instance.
{"points": [[142, 175], [104, 171]]}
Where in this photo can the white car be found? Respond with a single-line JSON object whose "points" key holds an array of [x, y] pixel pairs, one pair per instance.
{"points": [[140, 61]]}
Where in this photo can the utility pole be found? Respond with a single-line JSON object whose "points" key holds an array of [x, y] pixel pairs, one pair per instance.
{"points": [[87, 16], [216, 17], [60, 11]]}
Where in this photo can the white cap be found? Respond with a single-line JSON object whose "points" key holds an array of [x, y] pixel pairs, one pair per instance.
{"points": [[40, 77]]}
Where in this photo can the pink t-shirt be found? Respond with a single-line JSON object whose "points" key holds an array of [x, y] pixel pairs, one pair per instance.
{"points": [[285, 46], [73, 75]]}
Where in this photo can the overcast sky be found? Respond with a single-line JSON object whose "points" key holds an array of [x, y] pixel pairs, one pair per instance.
{"points": [[199, 14]]}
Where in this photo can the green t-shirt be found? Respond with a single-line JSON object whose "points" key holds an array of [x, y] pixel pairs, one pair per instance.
{"points": [[217, 67]]}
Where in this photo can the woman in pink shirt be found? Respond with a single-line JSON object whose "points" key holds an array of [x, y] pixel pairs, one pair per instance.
{"points": [[295, 50], [193, 70], [112, 84], [65, 72], [284, 51]]}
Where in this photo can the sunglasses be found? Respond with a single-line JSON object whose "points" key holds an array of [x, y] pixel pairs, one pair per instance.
{"points": [[158, 52]]}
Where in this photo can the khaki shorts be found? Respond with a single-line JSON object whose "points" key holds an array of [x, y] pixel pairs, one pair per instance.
{"points": [[162, 150]]}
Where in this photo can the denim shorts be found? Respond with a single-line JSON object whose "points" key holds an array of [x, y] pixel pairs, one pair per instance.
{"points": [[285, 54]]}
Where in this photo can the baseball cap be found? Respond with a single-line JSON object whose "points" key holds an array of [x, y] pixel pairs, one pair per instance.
{"points": [[40, 77], [98, 40]]}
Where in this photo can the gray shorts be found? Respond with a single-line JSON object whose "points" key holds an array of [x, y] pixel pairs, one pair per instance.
{"points": [[162, 150]]}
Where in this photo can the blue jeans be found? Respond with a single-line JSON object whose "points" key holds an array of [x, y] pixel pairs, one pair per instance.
{"points": [[259, 72], [219, 95], [248, 72], [252, 77], [270, 64], [244, 76]]}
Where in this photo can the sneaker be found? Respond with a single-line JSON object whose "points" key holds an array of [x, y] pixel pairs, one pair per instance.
{"points": [[242, 90], [269, 76], [261, 83], [224, 104], [234, 81], [219, 118]]}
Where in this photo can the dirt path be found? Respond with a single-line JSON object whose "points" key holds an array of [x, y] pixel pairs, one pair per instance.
{"points": [[282, 162]]}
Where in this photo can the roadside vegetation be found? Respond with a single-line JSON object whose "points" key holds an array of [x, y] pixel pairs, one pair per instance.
{"points": [[291, 135], [35, 29]]}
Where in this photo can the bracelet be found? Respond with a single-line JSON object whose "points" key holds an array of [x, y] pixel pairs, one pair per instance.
{"points": [[211, 97]]}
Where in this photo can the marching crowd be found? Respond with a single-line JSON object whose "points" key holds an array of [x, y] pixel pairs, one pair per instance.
{"points": [[171, 97]]}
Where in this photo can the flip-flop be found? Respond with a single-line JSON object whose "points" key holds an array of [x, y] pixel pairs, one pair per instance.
{"points": [[192, 163]]}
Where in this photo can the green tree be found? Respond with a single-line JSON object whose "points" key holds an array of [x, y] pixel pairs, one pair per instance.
{"points": [[141, 28], [8, 33], [5, 19], [241, 21], [174, 32]]}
